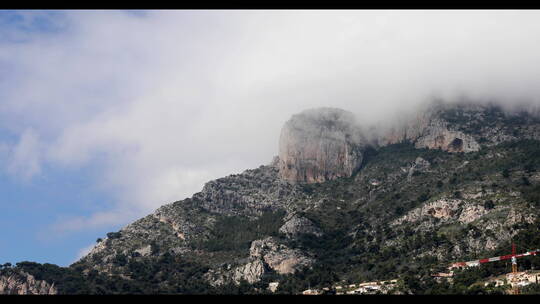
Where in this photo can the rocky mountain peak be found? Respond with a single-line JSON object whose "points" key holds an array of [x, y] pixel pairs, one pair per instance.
{"points": [[319, 145]]}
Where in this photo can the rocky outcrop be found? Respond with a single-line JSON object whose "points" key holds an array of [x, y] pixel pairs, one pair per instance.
{"points": [[515, 217], [470, 213], [439, 209], [438, 137], [248, 193], [320, 145], [429, 130], [279, 257], [252, 272], [463, 126], [22, 283], [264, 255], [297, 225], [144, 251], [444, 210], [419, 165]]}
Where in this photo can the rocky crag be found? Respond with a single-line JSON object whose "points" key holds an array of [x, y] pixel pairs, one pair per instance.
{"points": [[22, 283], [265, 255], [464, 127], [319, 145]]}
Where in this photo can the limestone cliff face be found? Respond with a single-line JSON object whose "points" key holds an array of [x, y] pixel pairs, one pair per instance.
{"points": [[324, 144], [319, 145]]}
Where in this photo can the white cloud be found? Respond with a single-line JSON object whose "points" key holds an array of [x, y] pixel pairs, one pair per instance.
{"points": [[24, 159], [83, 252], [171, 99]]}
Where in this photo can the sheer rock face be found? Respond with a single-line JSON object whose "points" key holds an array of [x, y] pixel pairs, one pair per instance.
{"points": [[319, 145]]}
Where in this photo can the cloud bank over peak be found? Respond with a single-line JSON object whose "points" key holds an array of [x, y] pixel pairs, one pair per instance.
{"points": [[164, 101]]}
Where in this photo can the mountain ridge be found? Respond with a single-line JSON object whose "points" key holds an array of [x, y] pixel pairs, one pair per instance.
{"points": [[266, 189], [455, 182]]}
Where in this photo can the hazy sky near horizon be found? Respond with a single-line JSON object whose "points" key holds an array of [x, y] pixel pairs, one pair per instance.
{"points": [[107, 115]]}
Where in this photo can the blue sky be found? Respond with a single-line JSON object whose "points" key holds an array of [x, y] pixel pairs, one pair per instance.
{"points": [[32, 206], [29, 206], [107, 115]]}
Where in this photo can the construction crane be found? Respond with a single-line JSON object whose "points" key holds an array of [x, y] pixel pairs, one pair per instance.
{"points": [[513, 257]]}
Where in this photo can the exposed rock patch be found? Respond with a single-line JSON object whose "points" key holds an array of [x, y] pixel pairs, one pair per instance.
{"points": [[264, 255], [252, 272], [144, 251], [279, 257], [297, 225], [428, 130], [250, 192], [420, 165], [438, 137], [22, 283], [444, 210]]}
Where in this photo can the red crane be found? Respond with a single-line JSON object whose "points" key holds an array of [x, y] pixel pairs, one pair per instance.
{"points": [[512, 257]]}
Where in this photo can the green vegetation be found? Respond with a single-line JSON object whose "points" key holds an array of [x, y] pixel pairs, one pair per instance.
{"points": [[532, 194], [165, 275], [235, 233], [114, 235], [531, 289]]}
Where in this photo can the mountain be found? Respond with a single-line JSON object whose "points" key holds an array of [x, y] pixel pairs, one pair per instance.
{"points": [[341, 203]]}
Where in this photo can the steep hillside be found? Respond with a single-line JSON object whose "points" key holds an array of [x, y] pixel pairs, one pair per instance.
{"points": [[457, 182]]}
